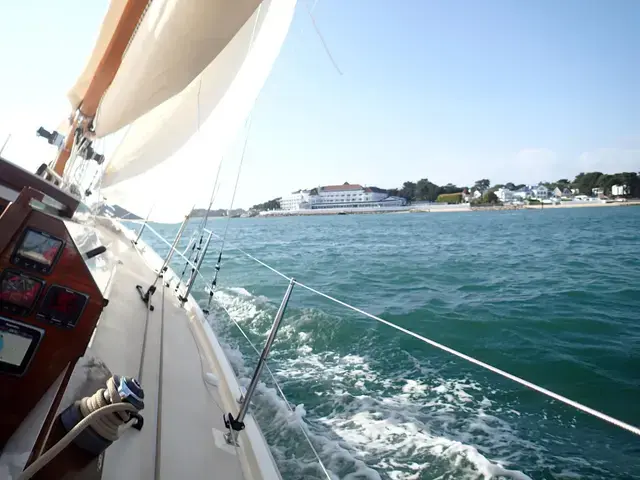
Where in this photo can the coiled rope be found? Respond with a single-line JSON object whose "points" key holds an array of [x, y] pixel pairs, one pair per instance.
{"points": [[90, 420], [104, 411], [108, 426]]}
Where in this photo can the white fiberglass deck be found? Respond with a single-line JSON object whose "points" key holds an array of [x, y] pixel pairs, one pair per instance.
{"points": [[175, 355], [182, 437]]}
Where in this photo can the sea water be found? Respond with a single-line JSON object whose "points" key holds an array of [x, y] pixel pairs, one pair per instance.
{"points": [[551, 296]]}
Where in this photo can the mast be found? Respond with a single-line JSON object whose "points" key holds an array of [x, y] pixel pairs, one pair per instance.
{"points": [[104, 73]]}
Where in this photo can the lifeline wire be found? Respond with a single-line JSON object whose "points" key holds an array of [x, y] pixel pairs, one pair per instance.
{"points": [[514, 378], [313, 449], [214, 281]]}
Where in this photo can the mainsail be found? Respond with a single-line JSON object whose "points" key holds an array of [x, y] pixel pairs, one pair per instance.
{"points": [[173, 44], [215, 99]]}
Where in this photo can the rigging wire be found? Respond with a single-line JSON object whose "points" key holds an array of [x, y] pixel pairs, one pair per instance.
{"points": [[324, 43], [214, 281], [195, 250], [468, 358], [277, 385]]}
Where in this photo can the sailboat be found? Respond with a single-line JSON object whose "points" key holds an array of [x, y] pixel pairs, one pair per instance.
{"points": [[108, 366], [104, 373]]}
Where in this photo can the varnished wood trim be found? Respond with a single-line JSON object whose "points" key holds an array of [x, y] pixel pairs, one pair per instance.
{"points": [[17, 178]]}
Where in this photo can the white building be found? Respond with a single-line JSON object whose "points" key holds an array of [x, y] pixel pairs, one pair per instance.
{"points": [[619, 190], [349, 193], [597, 191], [522, 194], [505, 195], [340, 196], [300, 200], [540, 192]]}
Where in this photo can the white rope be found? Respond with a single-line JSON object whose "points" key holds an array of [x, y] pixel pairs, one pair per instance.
{"points": [[46, 457], [108, 426], [521, 381], [287, 403]]}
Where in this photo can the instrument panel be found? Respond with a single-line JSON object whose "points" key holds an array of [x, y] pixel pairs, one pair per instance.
{"points": [[50, 304], [62, 306], [37, 251], [19, 292], [18, 344]]}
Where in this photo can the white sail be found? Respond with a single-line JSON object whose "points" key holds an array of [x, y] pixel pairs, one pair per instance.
{"points": [[223, 95], [173, 44], [109, 24]]}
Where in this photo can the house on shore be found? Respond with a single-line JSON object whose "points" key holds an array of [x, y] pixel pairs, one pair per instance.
{"points": [[346, 195], [505, 195], [620, 190], [562, 193]]}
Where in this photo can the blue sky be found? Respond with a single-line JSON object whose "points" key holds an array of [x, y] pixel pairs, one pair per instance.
{"points": [[453, 91]]}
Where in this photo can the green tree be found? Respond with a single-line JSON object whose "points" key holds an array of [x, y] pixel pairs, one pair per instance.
{"points": [[450, 188], [483, 184], [426, 190], [632, 181], [510, 186], [408, 191], [270, 205], [586, 182], [491, 197]]}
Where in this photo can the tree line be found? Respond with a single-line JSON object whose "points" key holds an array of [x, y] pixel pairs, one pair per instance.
{"points": [[425, 190], [269, 205]]}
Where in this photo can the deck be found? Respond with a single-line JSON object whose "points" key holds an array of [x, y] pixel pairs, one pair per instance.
{"points": [[174, 354]]}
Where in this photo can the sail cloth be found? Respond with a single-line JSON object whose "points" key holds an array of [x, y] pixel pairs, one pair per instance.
{"points": [[153, 155], [109, 24], [173, 44]]}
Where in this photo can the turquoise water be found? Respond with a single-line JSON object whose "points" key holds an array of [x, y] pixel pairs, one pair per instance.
{"points": [[551, 296]]}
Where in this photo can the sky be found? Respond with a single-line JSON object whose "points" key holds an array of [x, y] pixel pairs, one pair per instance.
{"points": [[453, 91]]}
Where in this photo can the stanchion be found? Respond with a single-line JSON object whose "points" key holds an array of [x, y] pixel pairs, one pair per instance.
{"points": [[194, 272], [237, 424], [146, 296]]}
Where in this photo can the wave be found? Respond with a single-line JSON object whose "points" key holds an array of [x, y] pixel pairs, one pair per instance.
{"points": [[364, 425]]}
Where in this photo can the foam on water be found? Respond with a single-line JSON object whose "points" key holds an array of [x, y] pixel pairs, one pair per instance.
{"points": [[365, 430], [560, 312]]}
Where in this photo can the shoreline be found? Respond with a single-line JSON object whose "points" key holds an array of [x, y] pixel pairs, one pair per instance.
{"points": [[630, 203], [434, 208]]}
